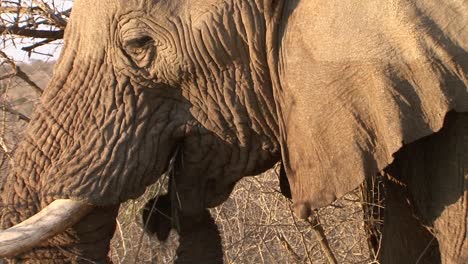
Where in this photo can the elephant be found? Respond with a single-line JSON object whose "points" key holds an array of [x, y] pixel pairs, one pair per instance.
{"points": [[199, 237], [338, 91]]}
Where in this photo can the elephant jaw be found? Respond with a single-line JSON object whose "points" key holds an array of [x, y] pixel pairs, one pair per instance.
{"points": [[50, 221]]}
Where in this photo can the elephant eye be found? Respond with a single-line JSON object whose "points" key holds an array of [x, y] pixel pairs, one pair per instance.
{"points": [[140, 49], [138, 43]]}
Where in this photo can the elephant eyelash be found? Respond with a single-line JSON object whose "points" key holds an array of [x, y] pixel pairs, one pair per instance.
{"points": [[138, 43], [140, 50]]}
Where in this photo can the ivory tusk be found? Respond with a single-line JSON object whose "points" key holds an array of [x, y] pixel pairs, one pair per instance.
{"points": [[50, 221]]}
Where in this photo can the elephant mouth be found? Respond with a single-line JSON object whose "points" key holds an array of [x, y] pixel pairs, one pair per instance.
{"points": [[56, 218]]}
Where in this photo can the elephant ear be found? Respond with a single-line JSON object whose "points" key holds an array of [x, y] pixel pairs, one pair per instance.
{"points": [[357, 80]]}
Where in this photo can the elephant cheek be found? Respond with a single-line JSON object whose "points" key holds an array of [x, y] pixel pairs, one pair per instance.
{"points": [[95, 232], [110, 176], [117, 139]]}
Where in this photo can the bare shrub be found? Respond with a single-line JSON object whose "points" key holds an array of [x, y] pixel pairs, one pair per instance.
{"points": [[257, 226], [26, 26]]}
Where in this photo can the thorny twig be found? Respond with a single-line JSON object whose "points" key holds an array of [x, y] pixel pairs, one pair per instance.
{"points": [[302, 236], [51, 15], [119, 228], [12, 111], [3, 145], [32, 33], [19, 73], [322, 238], [288, 247], [34, 19], [30, 49]]}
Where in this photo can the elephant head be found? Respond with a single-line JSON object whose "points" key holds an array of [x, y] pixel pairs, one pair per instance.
{"points": [[227, 88], [140, 82]]}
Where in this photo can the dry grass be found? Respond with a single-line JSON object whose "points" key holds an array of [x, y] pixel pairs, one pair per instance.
{"points": [[257, 226]]}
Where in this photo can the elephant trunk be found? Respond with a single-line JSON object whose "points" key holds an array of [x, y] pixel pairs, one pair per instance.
{"points": [[42, 221], [41, 230], [41, 227], [199, 240], [53, 163], [98, 138]]}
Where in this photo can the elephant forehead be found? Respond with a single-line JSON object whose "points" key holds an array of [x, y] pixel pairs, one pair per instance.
{"points": [[95, 20], [104, 5], [91, 21], [93, 10], [93, 24]]}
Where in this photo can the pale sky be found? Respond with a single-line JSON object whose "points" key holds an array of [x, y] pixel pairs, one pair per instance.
{"points": [[21, 56], [15, 52]]}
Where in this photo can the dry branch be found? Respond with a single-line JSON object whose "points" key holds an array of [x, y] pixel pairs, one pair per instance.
{"points": [[19, 73], [51, 15], [31, 21], [15, 113], [288, 247], [32, 33], [4, 147], [322, 238], [15, 10]]}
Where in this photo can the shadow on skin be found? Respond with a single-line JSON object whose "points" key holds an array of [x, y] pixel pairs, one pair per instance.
{"points": [[199, 237]]}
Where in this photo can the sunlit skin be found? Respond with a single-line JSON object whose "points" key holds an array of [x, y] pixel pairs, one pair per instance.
{"points": [[226, 89]]}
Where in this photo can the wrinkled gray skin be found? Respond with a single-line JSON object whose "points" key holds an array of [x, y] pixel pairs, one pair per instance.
{"points": [[333, 89]]}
